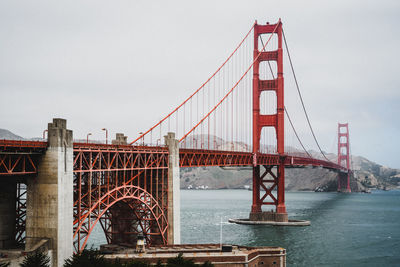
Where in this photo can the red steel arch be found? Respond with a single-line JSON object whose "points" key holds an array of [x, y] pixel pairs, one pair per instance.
{"points": [[105, 177], [156, 214]]}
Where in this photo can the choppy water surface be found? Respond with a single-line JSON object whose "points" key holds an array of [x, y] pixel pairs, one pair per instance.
{"points": [[346, 229]]}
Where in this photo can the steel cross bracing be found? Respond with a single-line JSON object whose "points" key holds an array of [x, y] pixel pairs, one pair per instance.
{"points": [[20, 157], [134, 177]]}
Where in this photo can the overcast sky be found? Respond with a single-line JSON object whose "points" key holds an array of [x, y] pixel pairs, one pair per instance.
{"points": [[124, 64]]}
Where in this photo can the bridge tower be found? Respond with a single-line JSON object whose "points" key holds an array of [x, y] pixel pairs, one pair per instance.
{"points": [[344, 156], [268, 180]]}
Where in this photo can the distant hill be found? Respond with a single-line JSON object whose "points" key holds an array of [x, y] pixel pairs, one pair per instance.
{"points": [[6, 134], [367, 175]]}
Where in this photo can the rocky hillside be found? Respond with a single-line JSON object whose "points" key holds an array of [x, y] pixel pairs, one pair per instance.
{"points": [[367, 175], [6, 134]]}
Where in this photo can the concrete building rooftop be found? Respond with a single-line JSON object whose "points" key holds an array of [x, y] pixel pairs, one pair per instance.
{"points": [[199, 253]]}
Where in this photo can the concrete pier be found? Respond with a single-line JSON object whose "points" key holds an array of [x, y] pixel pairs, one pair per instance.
{"points": [[8, 194], [50, 196], [174, 195], [120, 139], [268, 216]]}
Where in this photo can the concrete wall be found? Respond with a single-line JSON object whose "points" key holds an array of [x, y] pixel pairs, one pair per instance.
{"points": [[50, 196], [174, 195], [8, 194]]}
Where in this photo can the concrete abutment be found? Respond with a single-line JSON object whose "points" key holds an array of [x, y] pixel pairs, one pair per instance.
{"points": [[174, 224], [50, 196]]}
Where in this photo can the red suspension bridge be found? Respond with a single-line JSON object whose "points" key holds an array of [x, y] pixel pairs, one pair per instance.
{"points": [[237, 117]]}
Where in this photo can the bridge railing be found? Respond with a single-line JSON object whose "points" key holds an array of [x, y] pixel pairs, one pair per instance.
{"points": [[22, 143]]}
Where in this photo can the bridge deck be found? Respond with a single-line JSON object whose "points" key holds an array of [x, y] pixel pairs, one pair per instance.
{"points": [[18, 157]]}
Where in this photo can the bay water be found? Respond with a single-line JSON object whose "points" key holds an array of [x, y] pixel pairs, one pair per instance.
{"points": [[346, 229]]}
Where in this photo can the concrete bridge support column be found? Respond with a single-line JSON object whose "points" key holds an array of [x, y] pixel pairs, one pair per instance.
{"points": [[50, 195], [174, 195], [8, 194]]}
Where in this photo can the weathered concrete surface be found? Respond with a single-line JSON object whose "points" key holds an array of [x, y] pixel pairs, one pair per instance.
{"points": [[288, 223], [8, 193], [50, 196], [268, 216], [120, 139], [174, 195]]}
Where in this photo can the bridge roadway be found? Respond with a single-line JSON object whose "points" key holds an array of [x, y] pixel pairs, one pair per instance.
{"points": [[21, 157]]}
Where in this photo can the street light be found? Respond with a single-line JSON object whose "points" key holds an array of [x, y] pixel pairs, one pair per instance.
{"points": [[104, 129], [87, 137], [141, 133]]}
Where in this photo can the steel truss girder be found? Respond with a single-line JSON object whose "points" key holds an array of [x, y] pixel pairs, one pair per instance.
{"points": [[20, 218], [20, 157], [17, 164], [104, 177], [197, 158]]}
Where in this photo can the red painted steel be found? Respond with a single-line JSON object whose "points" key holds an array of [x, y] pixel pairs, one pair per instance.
{"points": [[344, 153], [20, 157], [22, 144], [106, 176], [276, 120], [199, 158], [204, 158]]}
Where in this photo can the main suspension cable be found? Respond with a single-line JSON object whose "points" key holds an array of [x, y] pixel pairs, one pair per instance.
{"points": [[230, 91], [195, 92], [298, 138], [286, 112], [301, 98]]}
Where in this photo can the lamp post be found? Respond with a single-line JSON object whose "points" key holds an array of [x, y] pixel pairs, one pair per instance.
{"points": [[104, 129], [44, 134], [87, 138], [142, 138]]}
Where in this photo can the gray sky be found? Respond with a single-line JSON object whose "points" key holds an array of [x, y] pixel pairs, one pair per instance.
{"points": [[124, 64]]}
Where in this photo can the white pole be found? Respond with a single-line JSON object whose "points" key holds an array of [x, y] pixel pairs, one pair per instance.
{"points": [[220, 234]]}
